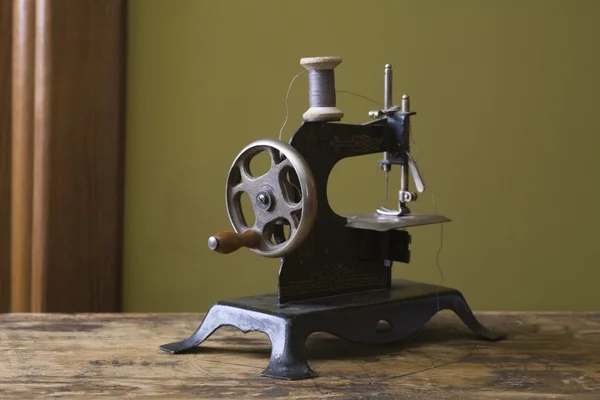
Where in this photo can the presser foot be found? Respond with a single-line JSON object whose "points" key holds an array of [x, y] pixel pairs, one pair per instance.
{"points": [[405, 308], [393, 213]]}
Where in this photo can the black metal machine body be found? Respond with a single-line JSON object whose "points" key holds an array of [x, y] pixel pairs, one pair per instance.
{"points": [[336, 258], [337, 276]]}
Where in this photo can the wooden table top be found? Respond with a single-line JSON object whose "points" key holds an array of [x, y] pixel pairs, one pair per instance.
{"points": [[547, 355]]}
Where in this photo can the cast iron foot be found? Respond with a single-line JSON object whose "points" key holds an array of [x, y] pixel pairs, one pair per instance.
{"points": [[406, 307], [287, 339]]}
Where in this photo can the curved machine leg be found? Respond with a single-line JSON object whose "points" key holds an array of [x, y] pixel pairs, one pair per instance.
{"points": [[288, 360], [461, 308], [407, 308], [288, 355], [212, 322], [404, 318]]}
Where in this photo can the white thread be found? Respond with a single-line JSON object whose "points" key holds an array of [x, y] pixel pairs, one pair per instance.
{"points": [[416, 155], [437, 256], [359, 95], [287, 104]]}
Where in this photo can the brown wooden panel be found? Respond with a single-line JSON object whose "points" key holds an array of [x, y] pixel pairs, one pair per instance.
{"points": [[78, 156], [22, 151], [5, 146]]}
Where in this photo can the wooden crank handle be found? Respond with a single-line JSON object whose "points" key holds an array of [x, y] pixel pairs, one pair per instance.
{"points": [[228, 242]]}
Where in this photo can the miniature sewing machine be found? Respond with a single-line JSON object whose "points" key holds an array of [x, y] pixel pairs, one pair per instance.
{"points": [[335, 274]]}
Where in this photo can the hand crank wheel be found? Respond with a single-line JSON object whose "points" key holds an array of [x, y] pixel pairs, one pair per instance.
{"points": [[285, 195]]}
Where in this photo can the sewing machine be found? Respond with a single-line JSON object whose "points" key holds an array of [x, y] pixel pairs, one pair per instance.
{"points": [[336, 271]]}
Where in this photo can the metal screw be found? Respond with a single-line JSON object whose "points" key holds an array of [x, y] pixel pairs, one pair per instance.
{"points": [[262, 198]]}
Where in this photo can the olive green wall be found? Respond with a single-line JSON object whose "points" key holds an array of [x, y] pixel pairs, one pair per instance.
{"points": [[507, 132]]}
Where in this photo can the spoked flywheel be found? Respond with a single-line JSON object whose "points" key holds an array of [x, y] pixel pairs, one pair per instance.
{"points": [[283, 199]]}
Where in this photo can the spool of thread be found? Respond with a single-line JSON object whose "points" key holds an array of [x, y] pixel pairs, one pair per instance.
{"points": [[321, 89]]}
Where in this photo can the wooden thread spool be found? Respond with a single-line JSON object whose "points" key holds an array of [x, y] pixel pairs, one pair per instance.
{"points": [[321, 89]]}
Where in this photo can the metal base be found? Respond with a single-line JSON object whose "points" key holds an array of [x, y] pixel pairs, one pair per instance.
{"points": [[358, 317]]}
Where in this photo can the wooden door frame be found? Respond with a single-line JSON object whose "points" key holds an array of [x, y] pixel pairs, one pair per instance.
{"points": [[5, 149], [67, 156]]}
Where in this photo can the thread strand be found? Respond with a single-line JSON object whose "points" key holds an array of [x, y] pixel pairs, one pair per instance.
{"points": [[287, 103], [360, 95], [441, 246]]}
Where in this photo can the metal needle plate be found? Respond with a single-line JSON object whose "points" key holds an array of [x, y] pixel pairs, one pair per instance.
{"points": [[384, 223]]}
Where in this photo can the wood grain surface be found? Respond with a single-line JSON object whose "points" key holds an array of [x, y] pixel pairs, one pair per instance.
{"points": [[5, 149], [23, 36], [114, 356], [78, 156]]}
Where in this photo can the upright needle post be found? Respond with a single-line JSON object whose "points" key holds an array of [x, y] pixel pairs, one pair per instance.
{"points": [[387, 104]]}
